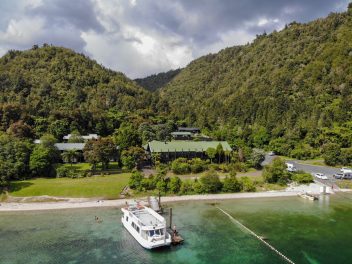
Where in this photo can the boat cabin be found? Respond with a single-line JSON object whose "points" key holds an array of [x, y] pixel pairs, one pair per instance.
{"points": [[146, 226]]}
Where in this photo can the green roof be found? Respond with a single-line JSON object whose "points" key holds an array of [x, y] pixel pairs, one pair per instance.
{"points": [[185, 146]]}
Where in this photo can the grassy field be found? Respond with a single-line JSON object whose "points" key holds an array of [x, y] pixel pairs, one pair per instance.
{"points": [[108, 187], [86, 166]]}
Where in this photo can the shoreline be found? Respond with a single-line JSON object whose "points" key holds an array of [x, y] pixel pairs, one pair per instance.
{"points": [[76, 203]]}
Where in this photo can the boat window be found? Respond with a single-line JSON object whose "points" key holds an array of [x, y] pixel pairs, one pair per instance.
{"points": [[161, 231], [126, 218], [157, 232], [138, 229], [151, 233]]}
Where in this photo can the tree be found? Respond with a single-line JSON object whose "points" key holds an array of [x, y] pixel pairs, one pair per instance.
{"points": [[135, 181], [211, 152], [219, 152], [127, 136], [211, 182], [42, 160], [75, 137], [100, 150], [14, 158], [91, 153], [276, 172], [48, 140], [107, 150], [59, 128], [260, 137], [70, 155], [346, 156], [20, 129], [133, 157], [331, 154], [257, 157]]}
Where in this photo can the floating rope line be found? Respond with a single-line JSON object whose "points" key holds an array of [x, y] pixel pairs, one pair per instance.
{"points": [[258, 237]]}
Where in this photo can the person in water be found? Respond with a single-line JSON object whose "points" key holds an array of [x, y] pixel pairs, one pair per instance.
{"points": [[174, 231]]}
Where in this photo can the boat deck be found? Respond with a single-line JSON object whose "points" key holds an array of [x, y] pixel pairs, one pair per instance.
{"points": [[146, 218]]}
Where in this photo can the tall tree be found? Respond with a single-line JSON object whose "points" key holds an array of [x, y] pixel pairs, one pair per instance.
{"points": [[70, 155]]}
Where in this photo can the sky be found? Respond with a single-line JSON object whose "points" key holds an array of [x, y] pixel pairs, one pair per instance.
{"points": [[143, 37]]}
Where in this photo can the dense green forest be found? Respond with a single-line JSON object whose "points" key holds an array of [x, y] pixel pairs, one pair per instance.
{"points": [[288, 91], [297, 79], [156, 81], [56, 90]]}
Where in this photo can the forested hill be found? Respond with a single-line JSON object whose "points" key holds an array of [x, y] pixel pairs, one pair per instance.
{"points": [[300, 77], [156, 81], [57, 90]]}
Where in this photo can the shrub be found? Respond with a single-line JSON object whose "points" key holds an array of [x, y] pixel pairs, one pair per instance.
{"points": [[128, 162], [180, 166], [247, 184], [240, 166], [198, 165], [213, 166], [135, 181], [210, 182], [224, 167], [302, 178], [186, 187], [276, 172], [63, 171], [197, 187], [175, 184], [148, 183], [231, 184]]}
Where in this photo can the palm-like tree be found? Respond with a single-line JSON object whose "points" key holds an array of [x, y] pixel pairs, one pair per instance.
{"points": [[70, 155]]}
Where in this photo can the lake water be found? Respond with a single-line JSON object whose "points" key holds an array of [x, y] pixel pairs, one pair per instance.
{"points": [[305, 231]]}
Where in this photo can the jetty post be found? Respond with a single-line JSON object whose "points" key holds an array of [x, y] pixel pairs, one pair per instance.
{"points": [[170, 217]]}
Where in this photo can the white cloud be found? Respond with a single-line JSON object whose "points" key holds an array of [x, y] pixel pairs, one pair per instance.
{"points": [[25, 30], [137, 53]]}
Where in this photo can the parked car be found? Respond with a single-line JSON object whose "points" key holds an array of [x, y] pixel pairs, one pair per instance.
{"points": [[338, 176], [346, 170], [321, 176]]}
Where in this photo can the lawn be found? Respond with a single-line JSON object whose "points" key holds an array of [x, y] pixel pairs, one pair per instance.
{"points": [[108, 187], [86, 166]]}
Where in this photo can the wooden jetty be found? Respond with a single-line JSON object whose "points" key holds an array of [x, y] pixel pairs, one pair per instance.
{"points": [[308, 196], [176, 238]]}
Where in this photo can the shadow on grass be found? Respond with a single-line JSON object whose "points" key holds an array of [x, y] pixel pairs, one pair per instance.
{"points": [[16, 186]]}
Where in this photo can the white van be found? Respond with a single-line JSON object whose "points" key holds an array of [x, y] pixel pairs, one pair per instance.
{"points": [[346, 170], [291, 167]]}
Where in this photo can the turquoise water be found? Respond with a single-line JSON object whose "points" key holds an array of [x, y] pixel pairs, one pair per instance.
{"points": [[305, 231]]}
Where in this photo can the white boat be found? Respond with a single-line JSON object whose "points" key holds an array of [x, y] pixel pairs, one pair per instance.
{"points": [[146, 226]]}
